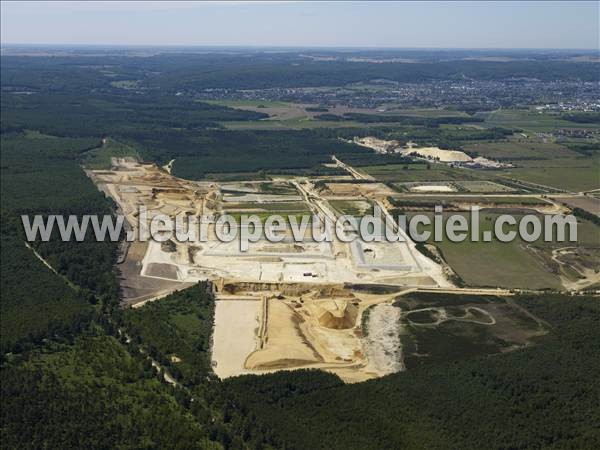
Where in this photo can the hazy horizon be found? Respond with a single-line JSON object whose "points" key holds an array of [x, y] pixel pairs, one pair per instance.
{"points": [[291, 47], [362, 25]]}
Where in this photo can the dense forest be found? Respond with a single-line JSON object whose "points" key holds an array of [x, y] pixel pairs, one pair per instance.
{"points": [[35, 302], [41, 175], [69, 377], [155, 133], [93, 393], [68, 114], [176, 331]]}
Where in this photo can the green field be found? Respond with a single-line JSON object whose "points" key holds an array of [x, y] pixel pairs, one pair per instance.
{"points": [[581, 175], [270, 206], [516, 149], [391, 109], [516, 264], [510, 264], [248, 103], [401, 200], [292, 124], [483, 187], [419, 172], [529, 120]]}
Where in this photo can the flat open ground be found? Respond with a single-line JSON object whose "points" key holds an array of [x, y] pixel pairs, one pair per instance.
{"points": [[584, 177], [475, 186], [518, 264], [530, 121], [420, 172], [590, 204], [234, 337], [516, 149]]}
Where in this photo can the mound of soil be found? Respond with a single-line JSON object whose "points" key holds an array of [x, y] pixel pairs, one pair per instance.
{"points": [[339, 319]]}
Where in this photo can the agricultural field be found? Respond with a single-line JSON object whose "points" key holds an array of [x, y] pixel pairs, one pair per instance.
{"points": [[427, 202], [463, 186], [517, 149], [401, 173], [249, 104], [483, 187], [547, 150], [587, 203], [392, 109], [530, 121], [573, 176], [302, 123], [515, 264]]}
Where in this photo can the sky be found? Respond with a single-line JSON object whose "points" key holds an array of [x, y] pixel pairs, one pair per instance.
{"points": [[471, 24]]}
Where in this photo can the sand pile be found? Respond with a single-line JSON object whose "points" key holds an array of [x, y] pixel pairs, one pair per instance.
{"points": [[338, 314], [439, 154]]}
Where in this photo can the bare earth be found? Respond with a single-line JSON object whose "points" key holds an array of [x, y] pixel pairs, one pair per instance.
{"points": [[234, 338]]}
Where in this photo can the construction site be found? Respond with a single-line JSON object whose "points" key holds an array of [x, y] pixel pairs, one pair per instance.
{"points": [[279, 305]]}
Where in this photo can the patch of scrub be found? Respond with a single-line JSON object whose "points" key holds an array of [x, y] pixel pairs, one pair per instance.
{"points": [[423, 316]]}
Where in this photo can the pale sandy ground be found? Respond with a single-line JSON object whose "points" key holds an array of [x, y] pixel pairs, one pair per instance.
{"points": [[295, 336], [433, 188], [382, 344], [234, 337], [284, 346], [443, 155]]}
